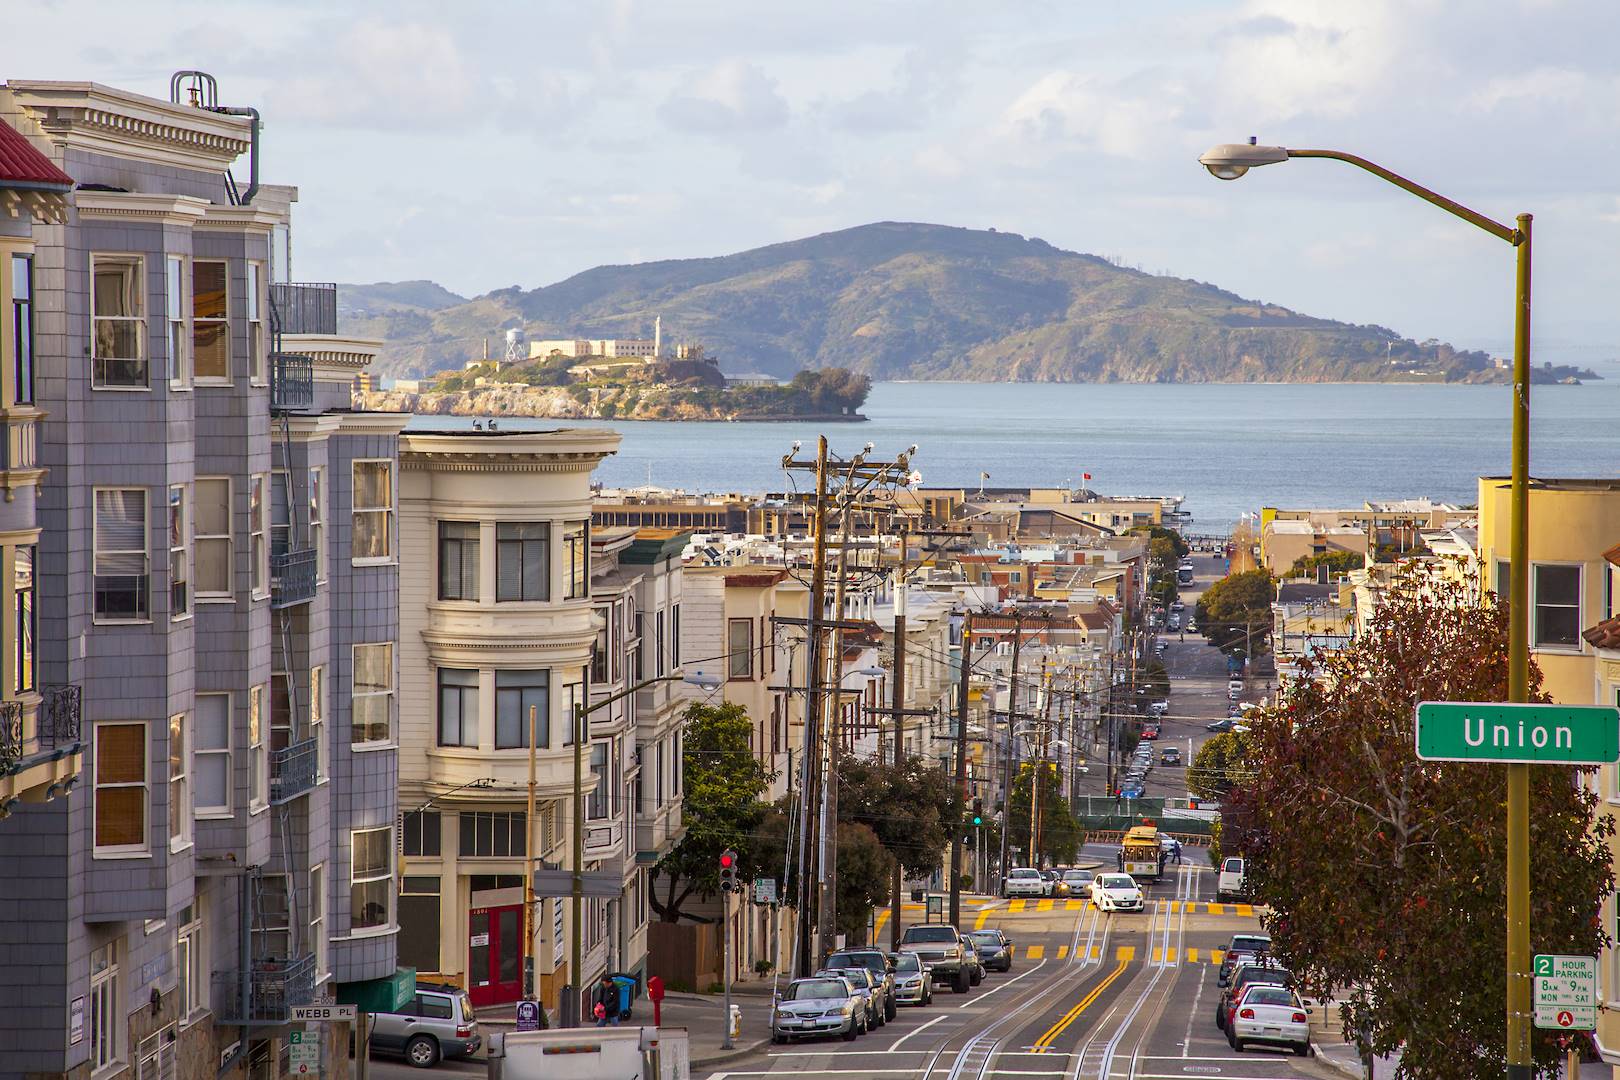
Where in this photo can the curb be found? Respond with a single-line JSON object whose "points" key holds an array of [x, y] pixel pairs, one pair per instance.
{"points": [[740, 1050], [1343, 1068]]}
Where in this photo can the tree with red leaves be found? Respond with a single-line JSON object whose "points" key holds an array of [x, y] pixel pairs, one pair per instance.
{"points": [[1386, 875]]}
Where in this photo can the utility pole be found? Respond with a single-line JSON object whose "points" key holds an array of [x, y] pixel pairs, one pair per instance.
{"points": [[571, 1001], [812, 728], [532, 850], [1012, 721], [898, 688], [827, 906], [961, 767]]}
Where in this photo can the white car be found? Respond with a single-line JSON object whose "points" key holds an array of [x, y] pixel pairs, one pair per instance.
{"points": [[1230, 883], [1116, 892], [1023, 881], [1273, 1015]]}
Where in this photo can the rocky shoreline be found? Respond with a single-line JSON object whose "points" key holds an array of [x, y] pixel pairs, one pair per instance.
{"points": [[575, 403]]}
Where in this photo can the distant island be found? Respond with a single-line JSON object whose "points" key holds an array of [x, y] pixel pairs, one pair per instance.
{"points": [[898, 301], [561, 388]]}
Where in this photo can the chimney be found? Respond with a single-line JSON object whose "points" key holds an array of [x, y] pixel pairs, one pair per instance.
{"points": [[1323, 575]]}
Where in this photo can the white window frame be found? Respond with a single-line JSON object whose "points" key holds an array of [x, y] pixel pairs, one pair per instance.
{"points": [[183, 551], [258, 750], [181, 809], [145, 553], [1577, 646], [317, 919], [224, 810], [228, 536], [317, 520], [211, 380], [317, 721], [387, 695], [177, 300], [254, 318], [140, 331], [259, 533], [105, 1012], [191, 965], [387, 512], [125, 851], [386, 875]]}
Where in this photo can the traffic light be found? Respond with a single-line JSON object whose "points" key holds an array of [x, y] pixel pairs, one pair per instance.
{"points": [[728, 870], [978, 812]]}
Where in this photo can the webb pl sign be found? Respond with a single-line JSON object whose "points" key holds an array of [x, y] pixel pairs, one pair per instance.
{"points": [[1532, 734]]}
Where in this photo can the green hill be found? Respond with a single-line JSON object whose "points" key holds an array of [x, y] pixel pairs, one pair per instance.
{"points": [[914, 301]]}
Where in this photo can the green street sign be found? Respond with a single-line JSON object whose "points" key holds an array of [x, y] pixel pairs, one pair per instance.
{"points": [[1532, 734]]}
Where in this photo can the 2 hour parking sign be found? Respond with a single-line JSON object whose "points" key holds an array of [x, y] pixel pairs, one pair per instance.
{"points": [[1565, 992]]}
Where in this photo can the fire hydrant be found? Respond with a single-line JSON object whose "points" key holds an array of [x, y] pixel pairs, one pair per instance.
{"points": [[736, 1022]]}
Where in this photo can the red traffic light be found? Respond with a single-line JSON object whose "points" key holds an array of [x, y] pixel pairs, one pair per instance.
{"points": [[726, 859]]}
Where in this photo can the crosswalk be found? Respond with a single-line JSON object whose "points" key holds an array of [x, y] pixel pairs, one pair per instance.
{"points": [[1124, 954], [1191, 907]]}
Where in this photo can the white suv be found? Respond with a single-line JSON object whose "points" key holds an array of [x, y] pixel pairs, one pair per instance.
{"points": [[1023, 881]]}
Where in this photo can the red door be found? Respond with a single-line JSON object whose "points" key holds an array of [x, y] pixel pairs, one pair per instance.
{"points": [[495, 954]]}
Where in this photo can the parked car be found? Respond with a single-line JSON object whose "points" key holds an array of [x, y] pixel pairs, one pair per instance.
{"points": [[1191, 627], [1078, 881], [994, 949], [1159, 708], [1052, 879], [975, 965], [877, 962], [1272, 1015], [1220, 725], [865, 988], [1023, 881], [1241, 947], [824, 1005], [1116, 892], [1178, 606], [1230, 882], [1245, 975], [913, 984], [1132, 791], [436, 1024], [1170, 755], [940, 947], [1150, 732]]}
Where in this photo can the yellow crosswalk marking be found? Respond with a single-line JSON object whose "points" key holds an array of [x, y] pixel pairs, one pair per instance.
{"points": [[984, 913], [1034, 952], [877, 923], [1217, 955], [1096, 952], [1192, 956], [1015, 906], [1217, 909], [1043, 905], [1074, 905], [1125, 953], [1063, 951], [1246, 910]]}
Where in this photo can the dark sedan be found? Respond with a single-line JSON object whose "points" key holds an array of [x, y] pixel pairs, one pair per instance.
{"points": [[995, 949]]}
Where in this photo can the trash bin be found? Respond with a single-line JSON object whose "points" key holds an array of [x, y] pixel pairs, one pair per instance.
{"points": [[916, 896], [628, 986], [736, 1023]]}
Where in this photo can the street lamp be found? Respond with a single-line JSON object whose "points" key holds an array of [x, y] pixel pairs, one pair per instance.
{"points": [[570, 999], [1231, 161]]}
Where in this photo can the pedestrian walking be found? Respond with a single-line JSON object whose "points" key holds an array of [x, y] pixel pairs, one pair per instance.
{"points": [[1120, 858], [606, 1002], [1176, 850]]}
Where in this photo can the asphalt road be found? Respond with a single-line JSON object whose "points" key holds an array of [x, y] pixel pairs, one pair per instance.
{"points": [[1090, 997]]}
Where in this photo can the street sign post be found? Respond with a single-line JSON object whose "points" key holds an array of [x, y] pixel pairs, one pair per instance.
{"points": [[764, 890], [1565, 992], [304, 1053], [320, 1014], [1494, 731]]}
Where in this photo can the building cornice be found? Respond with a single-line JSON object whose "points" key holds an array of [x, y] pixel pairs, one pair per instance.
{"points": [[337, 358], [250, 219], [184, 211], [371, 423], [102, 120], [564, 450], [305, 428], [44, 204]]}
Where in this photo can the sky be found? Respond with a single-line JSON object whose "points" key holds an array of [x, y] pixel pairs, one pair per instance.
{"points": [[484, 145]]}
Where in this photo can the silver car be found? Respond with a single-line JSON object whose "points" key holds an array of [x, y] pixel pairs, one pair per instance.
{"points": [[867, 988], [818, 1006], [913, 981], [437, 1023]]}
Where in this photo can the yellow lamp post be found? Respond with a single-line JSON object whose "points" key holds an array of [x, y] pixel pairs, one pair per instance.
{"points": [[1233, 160]]}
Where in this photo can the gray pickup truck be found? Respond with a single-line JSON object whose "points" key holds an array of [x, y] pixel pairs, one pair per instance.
{"points": [[941, 948]]}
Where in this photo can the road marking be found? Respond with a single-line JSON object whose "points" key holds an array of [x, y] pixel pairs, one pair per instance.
{"points": [[1002, 986], [1014, 907], [984, 913], [1062, 1025], [1035, 952], [1246, 910], [1125, 953], [1217, 909], [895, 1049], [1063, 951], [1074, 905], [1217, 955], [1043, 905], [1192, 956], [1166, 955], [877, 924]]}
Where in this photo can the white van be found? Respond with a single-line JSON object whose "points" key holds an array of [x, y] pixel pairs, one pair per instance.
{"points": [[1230, 884]]}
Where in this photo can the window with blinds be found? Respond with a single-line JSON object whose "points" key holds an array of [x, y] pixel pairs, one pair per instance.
{"points": [[515, 693], [577, 556], [212, 536], [373, 519], [458, 560], [522, 560], [373, 691], [210, 321], [120, 791], [458, 706], [118, 314], [121, 566]]}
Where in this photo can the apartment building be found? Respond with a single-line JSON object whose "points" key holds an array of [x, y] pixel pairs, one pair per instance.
{"points": [[204, 502], [499, 633]]}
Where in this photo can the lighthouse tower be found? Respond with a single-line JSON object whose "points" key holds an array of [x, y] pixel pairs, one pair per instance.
{"points": [[658, 337]]}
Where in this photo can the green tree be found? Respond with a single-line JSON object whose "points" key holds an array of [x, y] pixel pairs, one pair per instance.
{"points": [[1235, 612], [723, 783], [1060, 834], [864, 867], [912, 808], [1220, 760], [1385, 875], [1339, 562], [1161, 532]]}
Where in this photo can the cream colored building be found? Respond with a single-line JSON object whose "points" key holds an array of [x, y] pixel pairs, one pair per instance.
{"points": [[498, 619]]}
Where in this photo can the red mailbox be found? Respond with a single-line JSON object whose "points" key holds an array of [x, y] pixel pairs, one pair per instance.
{"points": [[655, 993]]}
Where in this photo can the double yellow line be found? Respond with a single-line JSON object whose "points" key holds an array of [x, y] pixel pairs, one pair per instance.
{"points": [[1051, 1033]]}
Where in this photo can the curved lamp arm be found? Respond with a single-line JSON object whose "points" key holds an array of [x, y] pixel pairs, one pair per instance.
{"points": [[1473, 217]]}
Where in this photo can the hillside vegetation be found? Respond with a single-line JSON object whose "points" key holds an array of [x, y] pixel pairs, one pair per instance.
{"points": [[913, 301]]}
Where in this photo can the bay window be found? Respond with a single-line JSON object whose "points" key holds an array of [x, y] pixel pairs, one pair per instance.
{"points": [[118, 323]]}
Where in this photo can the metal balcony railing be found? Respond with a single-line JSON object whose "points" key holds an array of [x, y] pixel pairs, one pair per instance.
{"points": [[13, 736], [292, 577], [60, 718], [309, 308], [292, 381], [293, 770], [264, 994]]}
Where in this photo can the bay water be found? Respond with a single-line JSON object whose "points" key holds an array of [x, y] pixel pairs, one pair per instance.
{"points": [[1227, 448]]}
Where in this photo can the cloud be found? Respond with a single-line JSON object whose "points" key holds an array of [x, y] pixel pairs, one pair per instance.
{"points": [[1063, 109], [736, 96]]}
